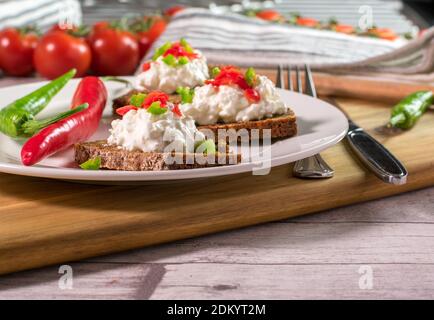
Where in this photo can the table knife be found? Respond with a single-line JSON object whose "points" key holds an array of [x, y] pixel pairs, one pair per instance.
{"points": [[373, 154]]}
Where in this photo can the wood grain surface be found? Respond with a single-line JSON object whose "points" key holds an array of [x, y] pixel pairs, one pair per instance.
{"points": [[315, 256]]}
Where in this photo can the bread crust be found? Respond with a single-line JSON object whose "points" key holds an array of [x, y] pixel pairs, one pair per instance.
{"points": [[283, 126], [114, 158]]}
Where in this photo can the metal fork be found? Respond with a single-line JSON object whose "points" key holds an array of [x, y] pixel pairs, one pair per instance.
{"points": [[313, 167]]}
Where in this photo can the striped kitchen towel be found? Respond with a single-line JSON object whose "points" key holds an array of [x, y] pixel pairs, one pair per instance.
{"points": [[231, 38], [42, 13]]}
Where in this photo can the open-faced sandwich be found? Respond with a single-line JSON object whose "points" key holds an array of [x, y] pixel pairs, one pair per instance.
{"points": [[154, 134], [175, 64], [237, 100], [231, 99]]}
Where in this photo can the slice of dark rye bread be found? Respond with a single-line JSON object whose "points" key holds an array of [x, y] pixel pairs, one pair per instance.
{"points": [[114, 158], [282, 126]]}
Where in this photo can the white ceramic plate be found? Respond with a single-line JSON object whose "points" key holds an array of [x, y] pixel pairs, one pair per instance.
{"points": [[320, 125]]}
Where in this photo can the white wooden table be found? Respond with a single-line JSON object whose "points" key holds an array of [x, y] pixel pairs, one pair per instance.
{"points": [[325, 255]]}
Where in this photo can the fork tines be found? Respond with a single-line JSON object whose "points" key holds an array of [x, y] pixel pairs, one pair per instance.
{"points": [[309, 85]]}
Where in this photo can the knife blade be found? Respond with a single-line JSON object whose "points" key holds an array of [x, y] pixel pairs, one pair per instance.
{"points": [[373, 154]]}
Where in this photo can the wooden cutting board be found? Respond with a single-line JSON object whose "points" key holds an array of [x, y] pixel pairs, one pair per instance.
{"points": [[45, 222]]}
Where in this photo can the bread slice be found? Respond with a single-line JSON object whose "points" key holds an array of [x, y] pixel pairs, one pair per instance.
{"points": [[282, 126], [114, 158]]}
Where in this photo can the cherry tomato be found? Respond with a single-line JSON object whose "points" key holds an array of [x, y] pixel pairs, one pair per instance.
{"points": [[307, 22], [144, 43], [62, 28], [115, 52], [100, 25], [157, 27], [344, 28], [16, 52], [269, 15], [58, 52], [171, 11]]}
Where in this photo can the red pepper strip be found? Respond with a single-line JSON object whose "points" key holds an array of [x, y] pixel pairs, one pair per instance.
{"points": [[125, 109], [74, 129], [176, 110]]}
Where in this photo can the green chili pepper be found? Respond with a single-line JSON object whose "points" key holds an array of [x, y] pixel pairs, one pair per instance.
{"points": [[14, 115], [32, 126], [408, 111]]}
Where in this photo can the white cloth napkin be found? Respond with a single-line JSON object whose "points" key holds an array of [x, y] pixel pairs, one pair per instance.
{"points": [[235, 39], [42, 13]]}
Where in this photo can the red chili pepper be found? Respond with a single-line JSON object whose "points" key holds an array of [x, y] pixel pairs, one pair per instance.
{"points": [[74, 129]]}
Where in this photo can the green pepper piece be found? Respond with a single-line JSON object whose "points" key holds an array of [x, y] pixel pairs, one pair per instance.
{"points": [[156, 109], [186, 93], [138, 99], [170, 60], [92, 164], [206, 147], [215, 71], [183, 60], [250, 77], [161, 50], [14, 115], [409, 110], [186, 45]]}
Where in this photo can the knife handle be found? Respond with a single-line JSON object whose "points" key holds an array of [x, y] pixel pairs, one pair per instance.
{"points": [[376, 157]]}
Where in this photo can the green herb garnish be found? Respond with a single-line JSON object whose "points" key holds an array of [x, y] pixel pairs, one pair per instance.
{"points": [[215, 71], [250, 77], [183, 60], [186, 94], [138, 99], [161, 50], [92, 164], [206, 147], [156, 109], [170, 60], [186, 45]]}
